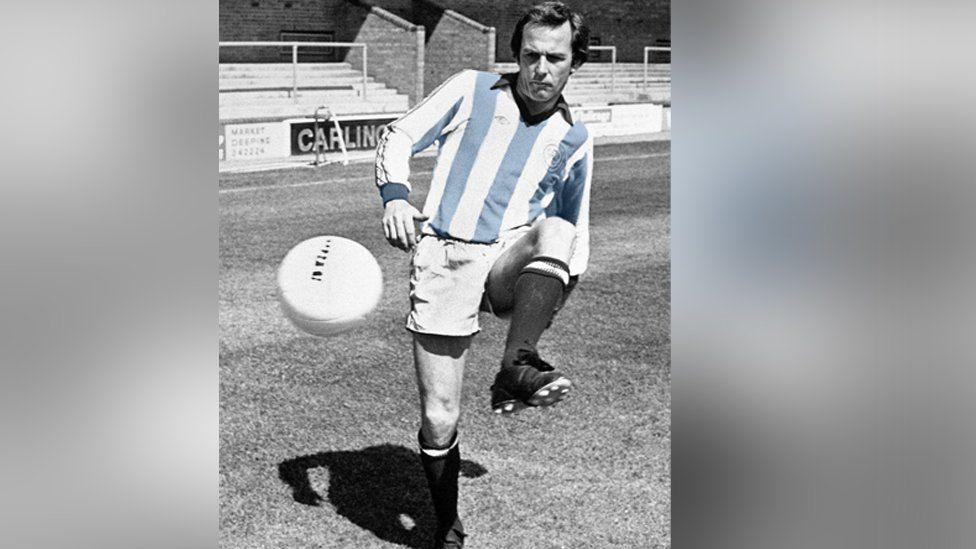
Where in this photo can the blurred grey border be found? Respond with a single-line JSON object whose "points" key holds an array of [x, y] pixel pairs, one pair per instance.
{"points": [[823, 259], [109, 255], [823, 275]]}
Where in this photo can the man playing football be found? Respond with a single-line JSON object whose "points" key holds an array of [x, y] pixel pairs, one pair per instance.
{"points": [[504, 229]]}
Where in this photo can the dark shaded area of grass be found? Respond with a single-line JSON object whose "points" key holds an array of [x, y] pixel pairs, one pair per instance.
{"points": [[372, 487]]}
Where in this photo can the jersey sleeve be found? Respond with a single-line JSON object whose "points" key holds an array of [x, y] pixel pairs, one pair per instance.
{"points": [[437, 115], [572, 203]]}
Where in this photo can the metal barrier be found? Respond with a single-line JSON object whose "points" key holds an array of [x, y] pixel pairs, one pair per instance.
{"points": [[318, 145], [648, 49], [613, 64], [294, 56]]}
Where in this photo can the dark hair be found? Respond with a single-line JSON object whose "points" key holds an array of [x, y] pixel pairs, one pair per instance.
{"points": [[554, 14]]}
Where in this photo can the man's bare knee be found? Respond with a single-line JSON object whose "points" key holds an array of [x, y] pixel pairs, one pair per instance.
{"points": [[439, 423], [550, 237], [556, 237], [439, 366]]}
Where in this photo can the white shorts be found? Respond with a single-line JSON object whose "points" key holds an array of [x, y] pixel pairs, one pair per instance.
{"points": [[447, 282]]}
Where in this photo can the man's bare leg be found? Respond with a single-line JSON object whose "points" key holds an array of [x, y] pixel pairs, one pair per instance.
{"points": [[439, 362]]}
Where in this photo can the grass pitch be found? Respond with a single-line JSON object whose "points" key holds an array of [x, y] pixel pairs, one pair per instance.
{"points": [[317, 436]]}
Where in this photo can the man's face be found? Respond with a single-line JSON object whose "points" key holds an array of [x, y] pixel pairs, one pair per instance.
{"points": [[545, 63]]}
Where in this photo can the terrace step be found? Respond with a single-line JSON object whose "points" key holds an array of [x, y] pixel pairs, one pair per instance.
{"points": [[311, 75], [591, 84], [599, 75], [263, 90], [287, 71], [317, 67], [654, 96], [275, 83], [330, 96], [306, 108], [618, 82]]}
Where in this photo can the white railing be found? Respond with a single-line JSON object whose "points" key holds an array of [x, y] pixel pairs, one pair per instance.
{"points": [[613, 64], [294, 56], [647, 50]]}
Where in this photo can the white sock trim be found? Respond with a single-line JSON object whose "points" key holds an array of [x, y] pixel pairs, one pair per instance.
{"points": [[440, 452], [545, 267]]}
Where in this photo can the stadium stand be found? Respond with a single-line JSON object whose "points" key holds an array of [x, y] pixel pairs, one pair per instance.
{"points": [[263, 90], [591, 85], [405, 49]]}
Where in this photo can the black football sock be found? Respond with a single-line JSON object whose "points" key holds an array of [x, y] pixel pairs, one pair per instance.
{"points": [[442, 466], [573, 280], [538, 292]]}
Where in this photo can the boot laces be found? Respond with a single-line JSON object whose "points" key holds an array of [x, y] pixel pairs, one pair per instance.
{"points": [[529, 358]]}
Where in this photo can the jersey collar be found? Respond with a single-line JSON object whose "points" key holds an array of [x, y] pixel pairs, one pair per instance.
{"points": [[508, 80]]}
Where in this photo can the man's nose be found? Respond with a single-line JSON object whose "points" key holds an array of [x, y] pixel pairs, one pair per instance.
{"points": [[541, 67]]}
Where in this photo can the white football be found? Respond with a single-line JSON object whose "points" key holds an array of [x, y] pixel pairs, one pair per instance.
{"points": [[328, 285]]}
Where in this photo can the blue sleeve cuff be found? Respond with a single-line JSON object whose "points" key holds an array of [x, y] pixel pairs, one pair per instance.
{"points": [[394, 191]]}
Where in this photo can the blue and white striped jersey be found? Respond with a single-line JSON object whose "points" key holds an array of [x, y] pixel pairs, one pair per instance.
{"points": [[496, 169]]}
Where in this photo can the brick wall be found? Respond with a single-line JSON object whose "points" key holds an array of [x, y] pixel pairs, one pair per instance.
{"points": [[401, 8], [395, 54], [628, 24], [396, 46], [454, 43], [241, 20]]}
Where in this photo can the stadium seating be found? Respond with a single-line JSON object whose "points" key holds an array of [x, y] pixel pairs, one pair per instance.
{"points": [[263, 90], [591, 84], [253, 90]]}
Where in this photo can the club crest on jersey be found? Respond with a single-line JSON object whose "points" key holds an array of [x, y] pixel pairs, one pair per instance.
{"points": [[554, 157]]}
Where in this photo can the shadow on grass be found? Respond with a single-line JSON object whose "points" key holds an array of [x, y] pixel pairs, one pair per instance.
{"points": [[379, 488]]}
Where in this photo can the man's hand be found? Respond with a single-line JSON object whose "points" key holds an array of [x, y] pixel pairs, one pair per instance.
{"points": [[398, 224]]}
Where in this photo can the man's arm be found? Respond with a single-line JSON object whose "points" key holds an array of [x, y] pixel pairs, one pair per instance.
{"points": [[432, 118]]}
